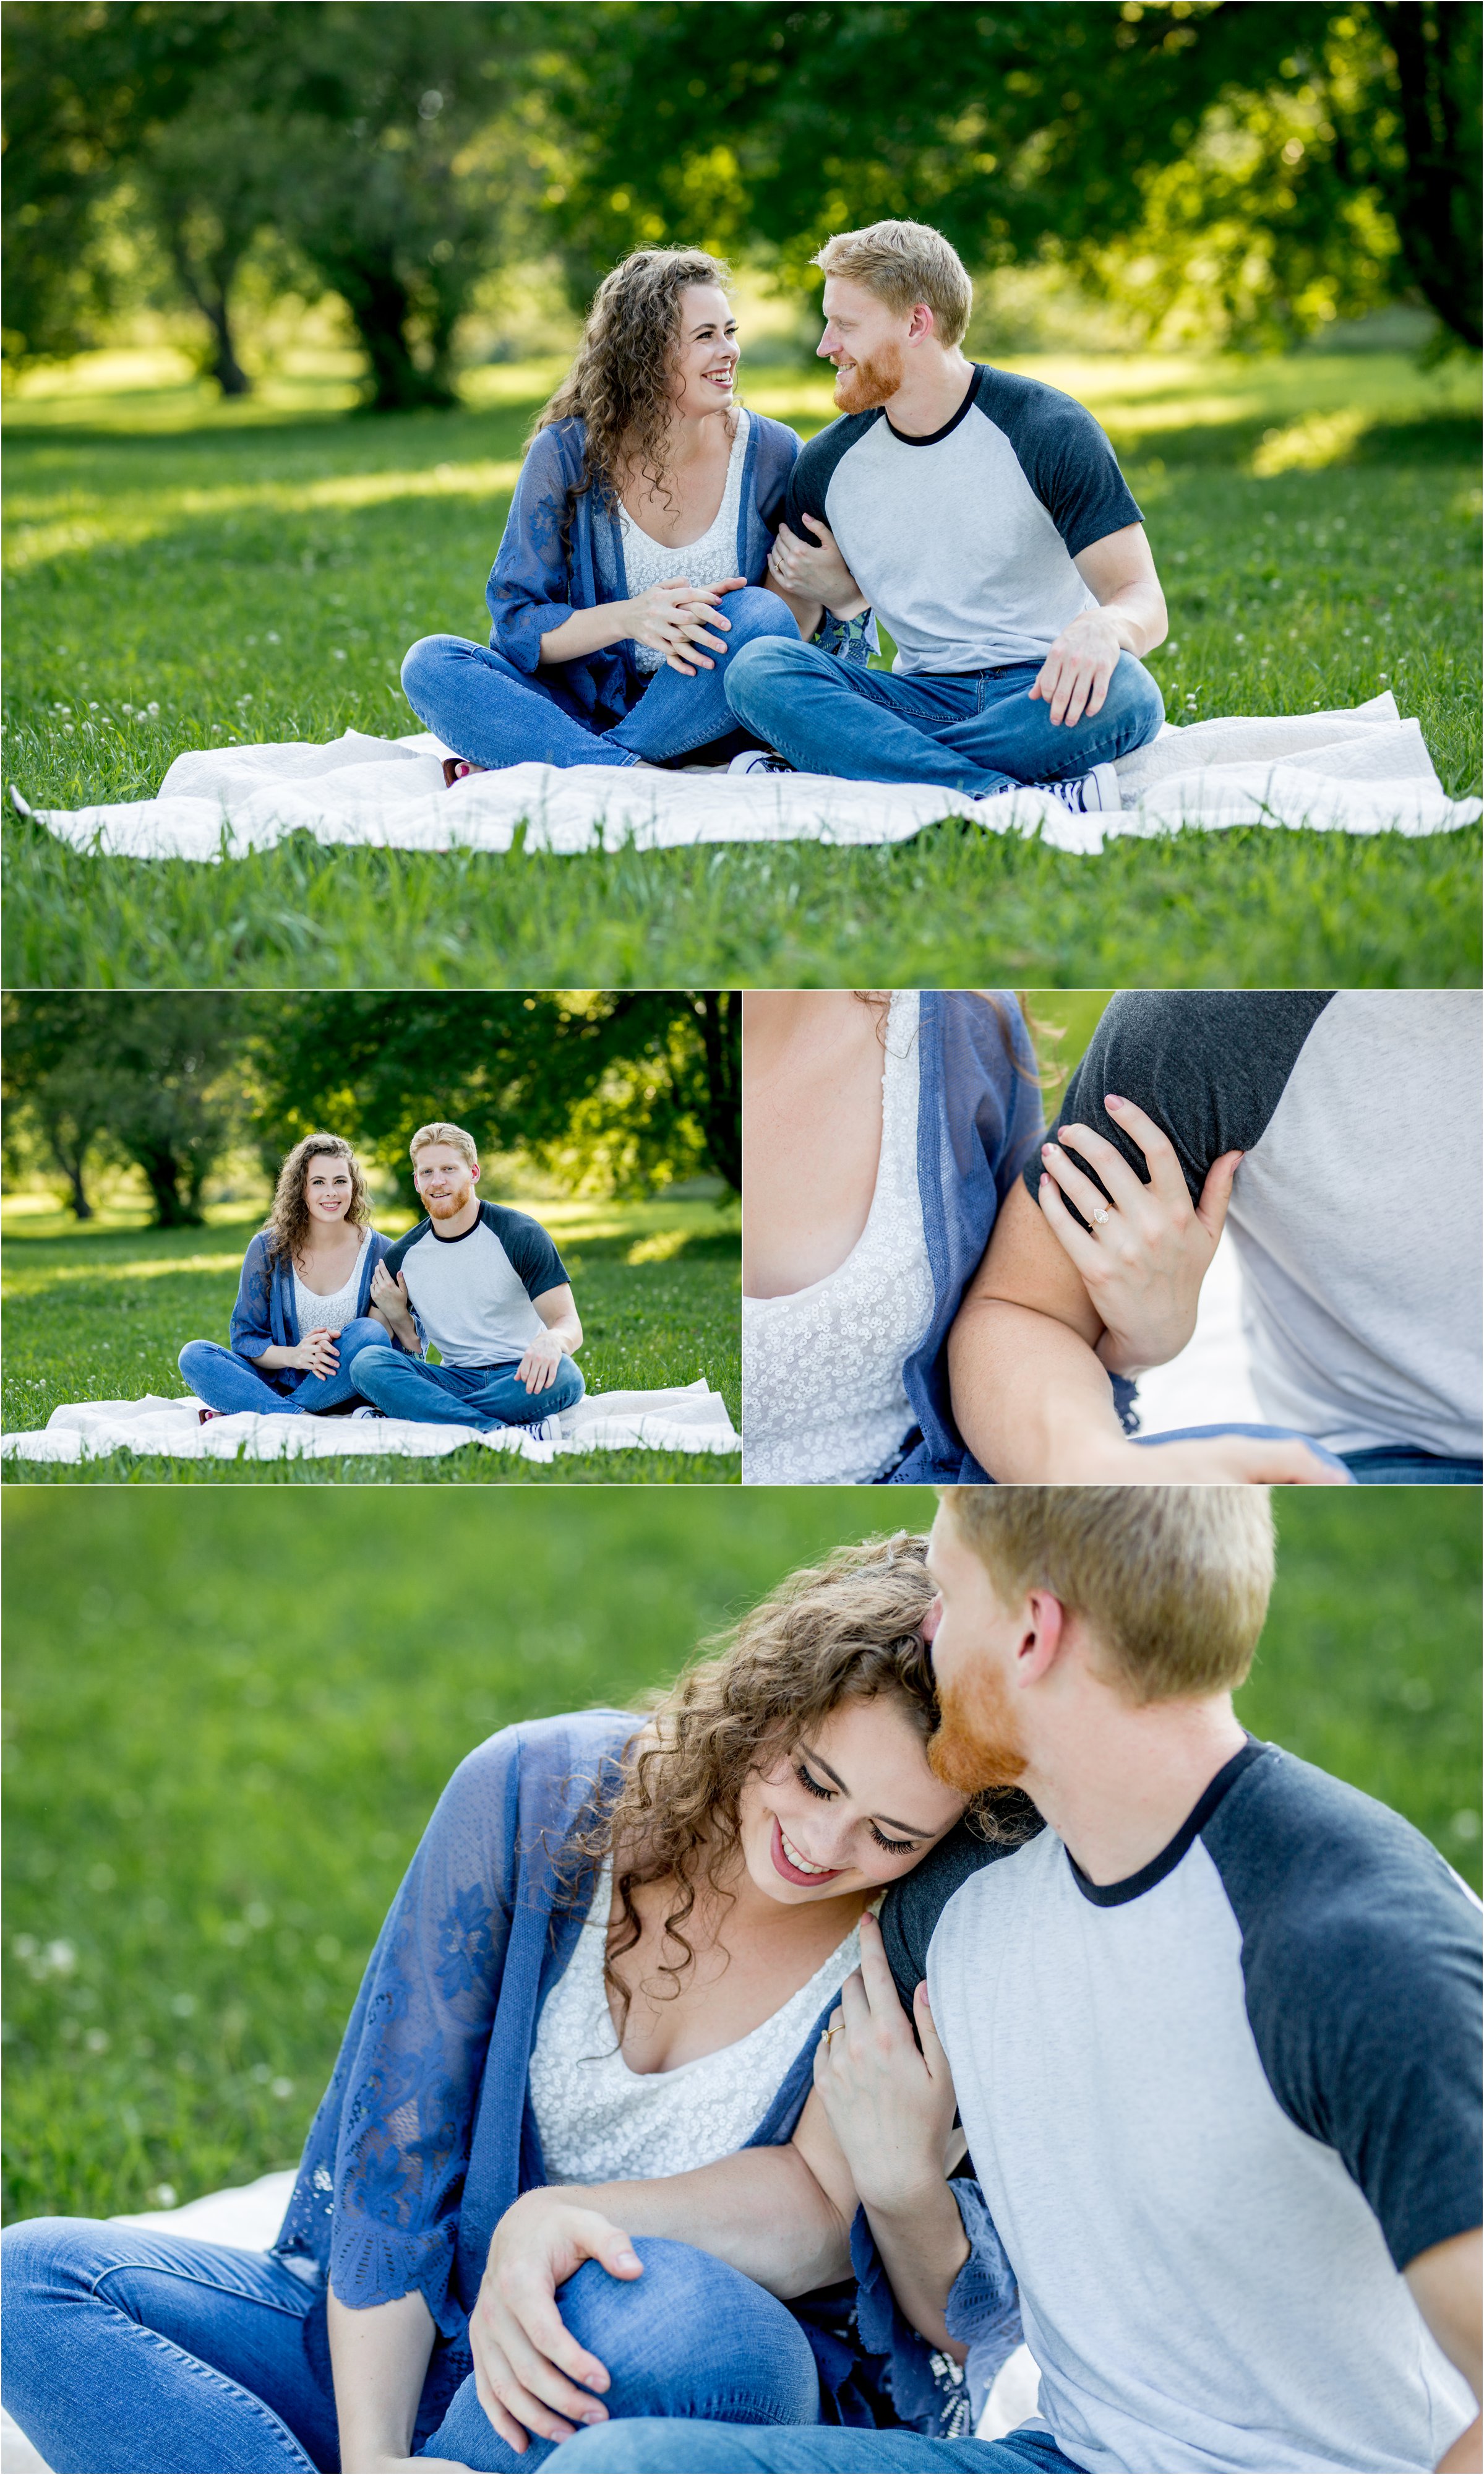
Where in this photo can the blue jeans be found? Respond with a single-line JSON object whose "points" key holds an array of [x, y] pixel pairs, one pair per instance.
{"points": [[469, 1396], [482, 708], [132, 2350], [692, 2338], [696, 2448], [225, 1381], [1286, 1435], [978, 731], [1407, 1466]]}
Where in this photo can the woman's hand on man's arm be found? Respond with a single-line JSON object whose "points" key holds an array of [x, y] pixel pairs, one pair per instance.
{"points": [[379, 2359], [392, 1306]]}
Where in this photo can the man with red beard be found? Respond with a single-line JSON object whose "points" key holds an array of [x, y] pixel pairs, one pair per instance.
{"points": [[983, 517], [1211, 2032]]}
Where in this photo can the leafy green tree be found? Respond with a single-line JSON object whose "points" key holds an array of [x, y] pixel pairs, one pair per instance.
{"points": [[1286, 165], [631, 1089], [154, 1079]]}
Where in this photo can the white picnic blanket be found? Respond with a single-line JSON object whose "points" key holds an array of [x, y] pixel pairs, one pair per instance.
{"points": [[684, 1418], [1357, 770], [249, 2216]]}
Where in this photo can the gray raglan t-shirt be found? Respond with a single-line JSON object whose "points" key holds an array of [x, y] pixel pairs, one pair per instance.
{"points": [[1355, 1210], [473, 1294], [1215, 2111], [965, 542]]}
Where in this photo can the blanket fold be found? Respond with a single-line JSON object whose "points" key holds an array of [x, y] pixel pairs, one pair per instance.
{"points": [[1358, 769]]}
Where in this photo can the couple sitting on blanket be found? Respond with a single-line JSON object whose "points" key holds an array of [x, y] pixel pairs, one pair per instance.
{"points": [[681, 579], [333, 1318], [647, 2117], [933, 1290]]}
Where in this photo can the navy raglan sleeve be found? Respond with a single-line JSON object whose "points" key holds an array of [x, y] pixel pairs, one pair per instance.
{"points": [[536, 1261], [814, 469], [1360, 1960], [913, 1905], [1209, 1067], [1065, 457]]}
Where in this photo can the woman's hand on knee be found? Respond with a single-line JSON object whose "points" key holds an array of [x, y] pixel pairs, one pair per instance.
{"points": [[527, 2366]]}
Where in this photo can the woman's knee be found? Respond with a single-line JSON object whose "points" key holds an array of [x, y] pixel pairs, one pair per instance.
{"points": [[362, 1332], [427, 661], [195, 1358], [693, 2337], [754, 612]]}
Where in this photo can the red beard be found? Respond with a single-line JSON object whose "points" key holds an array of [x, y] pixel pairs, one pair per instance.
{"points": [[868, 383], [975, 1744]]}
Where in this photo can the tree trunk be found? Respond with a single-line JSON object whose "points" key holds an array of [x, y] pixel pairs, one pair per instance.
{"points": [[226, 368], [1433, 200], [68, 1144], [208, 289], [721, 1020], [378, 302], [175, 1207]]}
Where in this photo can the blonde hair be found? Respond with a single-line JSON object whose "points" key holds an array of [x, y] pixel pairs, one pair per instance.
{"points": [[287, 1225], [1173, 1581], [903, 263], [849, 1630], [441, 1132]]}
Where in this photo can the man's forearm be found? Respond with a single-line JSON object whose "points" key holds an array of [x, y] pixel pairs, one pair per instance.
{"points": [[759, 2210], [1138, 618], [1031, 1398]]}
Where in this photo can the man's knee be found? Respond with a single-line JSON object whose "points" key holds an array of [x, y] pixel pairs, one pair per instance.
{"points": [[1134, 703], [374, 1364], [566, 1387], [761, 670], [617, 2448]]}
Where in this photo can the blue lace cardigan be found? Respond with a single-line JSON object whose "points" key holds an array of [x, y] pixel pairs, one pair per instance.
{"points": [[426, 2134], [263, 1316], [561, 553], [979, 1119]]}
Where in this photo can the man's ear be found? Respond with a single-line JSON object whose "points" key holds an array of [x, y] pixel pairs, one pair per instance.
{"points": [[1043, 1631], [921, 323]]}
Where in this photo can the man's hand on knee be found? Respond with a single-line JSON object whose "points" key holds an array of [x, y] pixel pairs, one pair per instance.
{"points": [[526, 2365], [1074, 677]]}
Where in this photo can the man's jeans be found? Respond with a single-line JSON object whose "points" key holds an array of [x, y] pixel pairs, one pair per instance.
{"points": [[464, 1396], [228, 1382], [656, 2448], [131, 2349], [482, 708], [978, 731]]}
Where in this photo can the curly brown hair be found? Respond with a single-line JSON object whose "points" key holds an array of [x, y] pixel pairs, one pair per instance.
{"points": [[848, 1629], [619, 383], [287, 1225]]}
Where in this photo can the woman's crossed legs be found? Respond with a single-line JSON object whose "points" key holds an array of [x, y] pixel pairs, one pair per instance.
{"points": [[227, 1382]]}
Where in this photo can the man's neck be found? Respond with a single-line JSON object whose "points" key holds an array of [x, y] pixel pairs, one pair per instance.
{"points": [[1120, 1782], [933, 385], [458, 1221]]}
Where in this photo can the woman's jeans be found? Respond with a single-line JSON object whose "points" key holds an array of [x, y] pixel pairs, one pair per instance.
{"points": [[486, 710], [656, 2448], [130, 2349], [466, 1396], [227, 1382], [975, 731]]}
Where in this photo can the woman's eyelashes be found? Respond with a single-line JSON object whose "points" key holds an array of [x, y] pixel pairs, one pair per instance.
{"points": [[892, 1846]]}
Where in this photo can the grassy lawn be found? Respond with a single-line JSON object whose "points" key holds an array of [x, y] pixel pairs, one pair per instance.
{"points": [[212, 1797], [256, 573], [100, 1313]]}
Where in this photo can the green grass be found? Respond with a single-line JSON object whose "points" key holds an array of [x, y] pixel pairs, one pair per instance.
{"points": [[1314, 520], [227, 1726], [100, 1313]]}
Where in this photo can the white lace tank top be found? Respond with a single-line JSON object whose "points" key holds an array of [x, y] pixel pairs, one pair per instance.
{"points": [[598, 2121], [824, 1401], [330, 1314], [707, 561]]}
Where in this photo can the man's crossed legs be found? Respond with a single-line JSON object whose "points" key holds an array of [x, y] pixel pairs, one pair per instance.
{"points": [[978, 732], [464, 1396]]}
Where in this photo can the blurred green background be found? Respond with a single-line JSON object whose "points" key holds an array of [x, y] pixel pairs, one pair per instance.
{"points": [[228, 1721]]}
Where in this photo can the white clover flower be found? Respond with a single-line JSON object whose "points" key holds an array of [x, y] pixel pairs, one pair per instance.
{"points": [[337, 655], [24, 1946], [274, 638], [283, 2088], [153, 708], [59, 1958], [182, 2005], [162, 2196]]}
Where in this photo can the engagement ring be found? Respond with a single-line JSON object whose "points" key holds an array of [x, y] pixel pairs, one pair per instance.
{"points": [[1099, 1214]]}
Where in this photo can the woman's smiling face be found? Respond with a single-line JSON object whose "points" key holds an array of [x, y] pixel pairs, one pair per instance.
{"points": [[327, 1187], [704, 358], [850, 1807]]}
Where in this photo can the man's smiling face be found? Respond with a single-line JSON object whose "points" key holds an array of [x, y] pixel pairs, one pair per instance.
{"points": [[445, 1180], [866, 340]]}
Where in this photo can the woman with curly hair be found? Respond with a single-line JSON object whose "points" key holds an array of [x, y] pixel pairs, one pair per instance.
{"points": [[635, 558], [606, 1974], [304, 1301]]}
